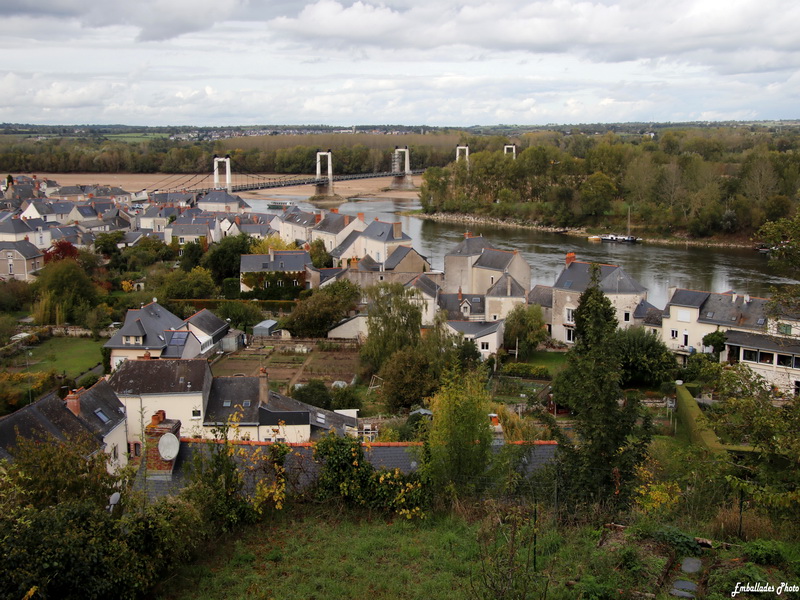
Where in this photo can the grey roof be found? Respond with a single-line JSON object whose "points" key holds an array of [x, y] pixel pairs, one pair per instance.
{"points": [[650, 314], [501, 288], [495, 260], [425, 284], [319, 418], [329, 273], [470, 246], [179, 229], [331, 223], [14, 226], [164, 197], [232, 395], [348, 242], [475, 329], [541, 295], [62, 207], [398, 255], [162, 376], [452, 304], [613, 279], [762, 341], [176, 343], [299, 217], [384, 232], [222, 196], [257, 229], [285, 261], [725, 310], [690, 298], [149, 322], [86, 211], [208, 322], [43, 208], [368, 264], [24, 247], [46, 418], [71, 190], [100, 401]]}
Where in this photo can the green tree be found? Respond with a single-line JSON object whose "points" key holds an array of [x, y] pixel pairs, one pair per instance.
{"points": [[319, 255], [106, 243], [197, 283], [524, 326], [597, 192], [460, 436], [394, 318], [716, 340], [191, 256], [223, 259], [317, 314], [65, 286], [611, 439], [241, 314], [407, 379], [644, 359], [8, 325], [315, 393]]}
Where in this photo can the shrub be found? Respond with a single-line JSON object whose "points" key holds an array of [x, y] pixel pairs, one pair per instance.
{"points": [[725, 524], [765, 552], [682, 543], [526, 370]]}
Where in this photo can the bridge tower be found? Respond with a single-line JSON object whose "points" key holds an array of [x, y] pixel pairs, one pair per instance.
{"points": [[401, 179], [465, 151], [228, 182], [324, 188], [510, 149]]}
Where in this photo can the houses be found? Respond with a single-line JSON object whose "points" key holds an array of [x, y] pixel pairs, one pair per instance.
{"points": [[278, 269], [20, 260]]}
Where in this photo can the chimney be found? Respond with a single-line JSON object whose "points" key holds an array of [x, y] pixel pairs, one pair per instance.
{"points": [[747, 298], [237, 220], [146, 355], [335, 211], [508, 284], [734, 296], [263, 386], [397, 231], [158, 427], [495, 420], [317, 217], [73, 401], [570, 258], [467, 235], [346, 220], [460, 296], [271, 254], [360, 216]]}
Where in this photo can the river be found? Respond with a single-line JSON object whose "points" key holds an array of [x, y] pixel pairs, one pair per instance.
{"points": [[657, 267]]}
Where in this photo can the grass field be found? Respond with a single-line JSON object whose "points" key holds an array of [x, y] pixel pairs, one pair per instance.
{"points": [[554, 361], [74, 356], [136, 137]]}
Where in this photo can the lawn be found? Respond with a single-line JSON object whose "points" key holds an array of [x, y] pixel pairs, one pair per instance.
{"points": [[554, 361], [331, 554], [74, 356]]}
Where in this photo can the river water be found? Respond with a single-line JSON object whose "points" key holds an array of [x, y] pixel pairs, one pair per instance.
{"points": [[657, 267]]}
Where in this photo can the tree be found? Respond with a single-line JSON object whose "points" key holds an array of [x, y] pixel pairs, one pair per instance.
{"points": [[319, 255], [394, 319], [191, 256], [611, 440], [223, 259], [197, 283], [106, 243], [597, 192], [317, 314], [407, 379], [273, 241], [460, 436], [241, 314], [64, 286], [60, 250], [524, 325], [314, 393], [716, 340], [644, 359]]}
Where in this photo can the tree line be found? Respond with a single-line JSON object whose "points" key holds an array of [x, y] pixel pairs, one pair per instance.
{"points": [[700, 181]]}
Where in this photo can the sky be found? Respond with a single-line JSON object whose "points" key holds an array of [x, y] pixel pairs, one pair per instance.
{"points": [[410, 62]]}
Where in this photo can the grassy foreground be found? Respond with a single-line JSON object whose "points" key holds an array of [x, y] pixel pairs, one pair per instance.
{"points": [[74, 356]]}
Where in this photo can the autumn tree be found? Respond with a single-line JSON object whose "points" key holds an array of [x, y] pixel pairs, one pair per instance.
{"points": [[60, 250], [394, 319], [524, 328]]}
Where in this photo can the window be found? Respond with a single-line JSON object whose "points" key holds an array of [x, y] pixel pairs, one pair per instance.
{"points": [[626, 316], [280, 282], [10, 268], [102, 416], [570, 315], [785, 360], [484, 345], [226, 403], [673, 334], [570, 334], [195, 413], [127, 339], [181, 240], [491, 280], [765, 358], [494, 317], [683, 316], [246, 403], [465, 309], [750, 355], [797, 388], [114, 452], [784, 329], [294, 282]]}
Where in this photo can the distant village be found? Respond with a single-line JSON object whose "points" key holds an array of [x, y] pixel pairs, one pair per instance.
{"points": [[160, 377]]}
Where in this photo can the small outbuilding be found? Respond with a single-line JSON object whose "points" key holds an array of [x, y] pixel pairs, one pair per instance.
{"points": [[265, 329]]}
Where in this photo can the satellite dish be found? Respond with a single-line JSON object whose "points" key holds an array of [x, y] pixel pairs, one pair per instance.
{"points": [[168, 446]]}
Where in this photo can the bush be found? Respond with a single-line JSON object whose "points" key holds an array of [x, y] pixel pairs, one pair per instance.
{"points": [[683, 543], [765, 552], [526, 370], [725, 524]]}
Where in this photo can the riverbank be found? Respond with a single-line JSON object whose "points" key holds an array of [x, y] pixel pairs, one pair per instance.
{"points": [[577, 231]]}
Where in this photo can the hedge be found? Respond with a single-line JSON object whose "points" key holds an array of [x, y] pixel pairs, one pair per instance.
{"points": [[526, 370], [691, 417]]}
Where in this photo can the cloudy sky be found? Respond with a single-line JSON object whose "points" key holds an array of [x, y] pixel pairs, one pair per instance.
{"points": [[427, 62]]}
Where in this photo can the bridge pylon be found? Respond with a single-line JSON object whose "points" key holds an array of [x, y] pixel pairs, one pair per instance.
{"points": [[401, 179], [228, 181], [324, 187]]}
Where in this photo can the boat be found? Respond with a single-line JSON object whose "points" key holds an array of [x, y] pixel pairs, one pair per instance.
{"points": [[623, 239], [595, 238]]}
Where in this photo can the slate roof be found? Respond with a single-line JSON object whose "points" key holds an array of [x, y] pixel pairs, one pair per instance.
{"points": [[475, 329], [328, 274], [175, 343], [346, 245], [383, 232], [331, 223], [368, 264], [24, 247], [256, 229], [231, 395], [14, 226], [494, 260], [500, 288], [148, 322], [425, 284], [98, 400], [690, 298], [319, 418], [650, 314], [43, 208], [541, 295], [45, 418], [285, 261], [398, 255], [762, 341], [470, 246], [299, 217], [208, 322], [222, 197], [166, 197], [162, 376], [184, 229], [613, 279], [725, 310], [86, 211], [452, 304]]}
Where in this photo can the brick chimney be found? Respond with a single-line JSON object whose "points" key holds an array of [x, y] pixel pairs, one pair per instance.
{"points": [[570, 258], [467, 235], [346, 220], [317, 217], [159, 426], [508, 284], [335, 211], [146, 355], [263, 386], [271, 254], [360, 216], [237, 220], [73, 401], [397, 231], [460, 296]]}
